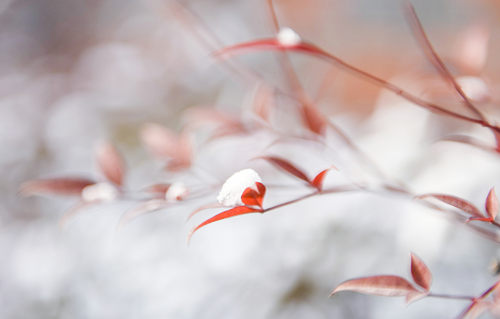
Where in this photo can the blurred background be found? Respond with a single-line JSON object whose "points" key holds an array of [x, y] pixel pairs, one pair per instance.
{"points": [[73, 73]]}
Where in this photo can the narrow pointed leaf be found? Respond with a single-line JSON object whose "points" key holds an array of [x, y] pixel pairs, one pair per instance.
{"points": [[318, 179], [492, 204], [287, 167], [456, 202], [386, 285], [236, 211], [256, 45], [203, 207], [420, 273], [110, 163], [56, 186]]}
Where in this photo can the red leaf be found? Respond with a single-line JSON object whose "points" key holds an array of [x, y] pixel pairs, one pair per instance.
{"points": [[378, 285], [57, 186], [235, 211], [287, 167], [252, 197], [456, 202], [318, 180], [110, 163], [262, 44], [492, 204], [420, 273]]}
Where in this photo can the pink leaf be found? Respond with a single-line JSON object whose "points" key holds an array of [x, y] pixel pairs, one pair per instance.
{"points": [[492, 204], [420, 273], [287, 167], [167, 145], [315, 121], [110, 163], [159, 140], [56, 186], [263, 102], [456, 202], [378, 285], [235, 211], [252, 197]]}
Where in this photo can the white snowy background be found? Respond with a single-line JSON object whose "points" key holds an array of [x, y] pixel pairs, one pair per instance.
{"points": [[75, 72]]}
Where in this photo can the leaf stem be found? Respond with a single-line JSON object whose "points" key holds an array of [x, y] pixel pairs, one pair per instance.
{"points": [[446, 296]]}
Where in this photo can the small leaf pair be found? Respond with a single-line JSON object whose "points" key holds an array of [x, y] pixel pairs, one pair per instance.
{"points": [[316, 182], [391, 286], [491, 205], [90, 191], [252, 200], [109, 162]]}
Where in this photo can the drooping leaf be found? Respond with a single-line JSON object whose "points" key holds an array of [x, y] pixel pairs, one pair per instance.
{"points": [[492, 204], [144, 208], [385, 285], [235, 211], [253, 197], [287, 167], [420, 273], [110, 163], [203, 207], [457, 202], [75, 210], [67, 186], [314, 120]]}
